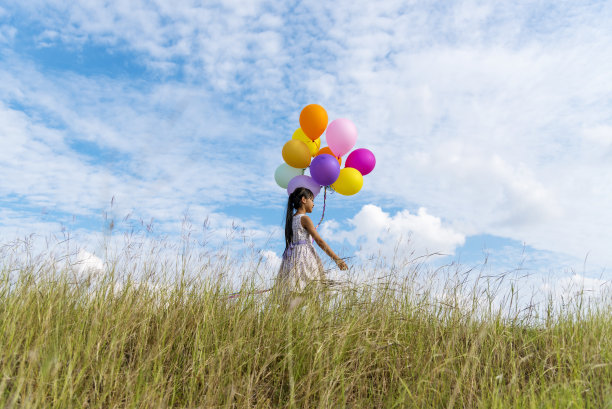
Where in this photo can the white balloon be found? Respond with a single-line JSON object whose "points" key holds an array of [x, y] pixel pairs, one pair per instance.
{"points": [[284, 173]]}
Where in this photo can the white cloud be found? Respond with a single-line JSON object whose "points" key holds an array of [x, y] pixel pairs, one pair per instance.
{"points": [[273, 261], [495, 117], [215, 41], [601, 135], [482, 122], [87, 264], [569, 288], [378, 232], [156, 165]]}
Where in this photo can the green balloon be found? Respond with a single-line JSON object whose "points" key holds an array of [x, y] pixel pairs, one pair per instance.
{"points": [[284, 173]]}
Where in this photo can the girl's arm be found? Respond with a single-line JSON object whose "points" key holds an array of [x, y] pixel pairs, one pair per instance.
{"points": [[310, 228]]}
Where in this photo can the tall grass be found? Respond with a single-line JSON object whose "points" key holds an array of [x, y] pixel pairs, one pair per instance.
{"points": [[125, 341]]}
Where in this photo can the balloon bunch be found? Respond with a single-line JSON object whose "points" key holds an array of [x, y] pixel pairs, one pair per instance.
{"points": [[304, 151]]}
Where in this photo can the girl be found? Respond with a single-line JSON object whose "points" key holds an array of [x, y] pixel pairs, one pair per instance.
{"points": [[301, 265]]}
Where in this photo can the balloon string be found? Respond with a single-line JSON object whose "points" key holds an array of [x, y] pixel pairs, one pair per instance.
{"points": [[324, 200]]}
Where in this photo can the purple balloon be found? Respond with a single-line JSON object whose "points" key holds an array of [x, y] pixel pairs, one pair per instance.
{"points": [[303, 181], [361, 159], [324, 169]]}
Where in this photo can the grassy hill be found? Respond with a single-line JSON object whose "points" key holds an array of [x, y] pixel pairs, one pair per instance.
{"points": [[121, 343]]}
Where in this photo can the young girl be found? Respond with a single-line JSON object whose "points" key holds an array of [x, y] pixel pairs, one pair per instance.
{"points": [[301, 265]]}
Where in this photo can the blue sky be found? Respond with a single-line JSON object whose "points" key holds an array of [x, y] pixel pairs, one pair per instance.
{"points": [[491, 122]]}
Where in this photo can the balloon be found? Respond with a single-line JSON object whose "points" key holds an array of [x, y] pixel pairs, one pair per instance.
{"points": [[313, 120], [329, 152], [361, 159], [324, 169], [349, 182], [303, 181], [313, 146], [284, 173], [296, 154], [341, 136]]}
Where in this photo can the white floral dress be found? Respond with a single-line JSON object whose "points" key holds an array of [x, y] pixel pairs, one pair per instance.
{"points": [[301, 265]]}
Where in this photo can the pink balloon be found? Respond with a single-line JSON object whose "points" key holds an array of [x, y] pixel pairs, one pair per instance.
{"points": [[361, 159], [341, 136], [303, 181]]}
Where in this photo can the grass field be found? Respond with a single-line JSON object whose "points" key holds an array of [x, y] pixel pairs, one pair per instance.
{"points": [[117, 342]]}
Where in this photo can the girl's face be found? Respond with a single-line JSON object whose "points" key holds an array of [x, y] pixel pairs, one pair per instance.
{"points": [[308, 204]]}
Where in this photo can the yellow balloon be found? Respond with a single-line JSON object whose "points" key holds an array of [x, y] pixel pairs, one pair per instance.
{"points": [[349, 182], [296, 154], [313, 146]]}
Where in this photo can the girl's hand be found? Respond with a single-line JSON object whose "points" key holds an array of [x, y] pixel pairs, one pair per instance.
{"points": [[341, 264], [309, 226]]}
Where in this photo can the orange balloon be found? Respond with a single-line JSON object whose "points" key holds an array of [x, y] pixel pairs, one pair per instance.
{"points": [[329, 152], [313, 121]]}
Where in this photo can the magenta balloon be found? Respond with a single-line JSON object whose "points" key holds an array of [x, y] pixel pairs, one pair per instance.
{"points": [[303, 181], [361, 159], [324, 169], [341, 135]]}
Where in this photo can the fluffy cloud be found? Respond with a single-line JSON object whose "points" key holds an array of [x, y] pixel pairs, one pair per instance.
{"points": [[217, 41], [378, 232], [70, 153], [487, 130], [569, 288], [495, 117], [273, 261], [87, 263]]}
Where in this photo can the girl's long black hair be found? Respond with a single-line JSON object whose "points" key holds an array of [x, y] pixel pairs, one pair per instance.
{"points": [[293, 203]]}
